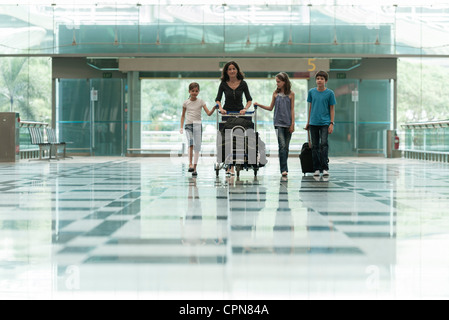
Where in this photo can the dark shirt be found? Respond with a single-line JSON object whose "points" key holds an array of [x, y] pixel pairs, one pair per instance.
{"points": [[233, 98]]}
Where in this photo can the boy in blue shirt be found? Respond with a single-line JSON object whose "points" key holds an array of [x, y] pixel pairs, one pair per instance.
{"points": [[321, 122]]}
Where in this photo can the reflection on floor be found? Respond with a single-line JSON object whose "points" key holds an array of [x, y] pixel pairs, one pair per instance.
{"points": [[144, 228]]}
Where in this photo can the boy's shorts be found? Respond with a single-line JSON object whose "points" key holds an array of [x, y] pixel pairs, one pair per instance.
{"points": [[194, 133]]}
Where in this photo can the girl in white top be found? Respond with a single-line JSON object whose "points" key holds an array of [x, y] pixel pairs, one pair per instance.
{"points": [[191, 116]]}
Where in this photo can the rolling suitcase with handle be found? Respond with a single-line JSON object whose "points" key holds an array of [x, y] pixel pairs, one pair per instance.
{"points": [[306, 157]]}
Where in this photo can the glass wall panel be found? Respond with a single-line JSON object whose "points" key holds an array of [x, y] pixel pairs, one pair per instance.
{"points": [[374, 115], [90, 116], [360, 124], [108, 117], [74, 114], [431, 137], [162, 108], [343, 141], [26, 29], [256, 28], [339, 28], [420, 90]]}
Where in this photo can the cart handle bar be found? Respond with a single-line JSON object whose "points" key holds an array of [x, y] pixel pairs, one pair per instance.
{"points": [[237, 112]]}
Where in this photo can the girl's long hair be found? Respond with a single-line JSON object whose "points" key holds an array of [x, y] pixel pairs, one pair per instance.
{"points": [[287, 84]]}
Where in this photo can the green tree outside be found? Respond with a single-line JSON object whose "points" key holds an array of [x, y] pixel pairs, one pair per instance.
{"points": [[421, 92], [25, 87]]}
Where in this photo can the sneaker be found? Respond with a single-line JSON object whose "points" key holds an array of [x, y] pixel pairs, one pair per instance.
{"points": [[317, 173], [325, 173]]}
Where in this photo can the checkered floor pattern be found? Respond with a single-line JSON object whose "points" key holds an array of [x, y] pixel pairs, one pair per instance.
{"points": [[146, 225]]}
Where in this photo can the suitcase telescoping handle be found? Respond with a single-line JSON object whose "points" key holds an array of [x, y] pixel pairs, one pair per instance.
{"points": [[309, 138]]}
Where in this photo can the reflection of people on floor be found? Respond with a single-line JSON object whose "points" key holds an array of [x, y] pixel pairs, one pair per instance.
{"points": [[246, 199], [191, 227], [283, 231], [320, 235], [320, 231], [222, 212]]}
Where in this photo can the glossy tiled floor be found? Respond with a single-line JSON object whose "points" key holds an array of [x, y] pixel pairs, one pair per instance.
{"points": [[143, 228]]}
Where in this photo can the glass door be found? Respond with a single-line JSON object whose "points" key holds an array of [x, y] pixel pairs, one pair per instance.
{"points": [[107, 117], [343, 142], [362, 116], [373, 116], [89, 116]]}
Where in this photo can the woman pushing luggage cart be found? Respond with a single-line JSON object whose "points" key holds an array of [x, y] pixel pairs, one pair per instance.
{"points": [[238, 143]]}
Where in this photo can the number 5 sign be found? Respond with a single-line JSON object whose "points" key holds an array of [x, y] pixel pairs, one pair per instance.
{"points": [[312, 65], [307, 68], [315, 65]]}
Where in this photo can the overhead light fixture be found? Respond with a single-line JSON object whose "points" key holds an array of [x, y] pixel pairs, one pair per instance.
{"points": [[290, 38], [158, 40], [248, 41], [377, 43], [74, 38], [203, 40]]}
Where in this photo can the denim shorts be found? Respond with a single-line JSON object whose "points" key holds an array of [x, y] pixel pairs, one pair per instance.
{"points": [[194, 133]]}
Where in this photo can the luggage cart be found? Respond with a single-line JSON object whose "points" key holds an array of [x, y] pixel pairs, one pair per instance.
{"points": [[238, 146]]}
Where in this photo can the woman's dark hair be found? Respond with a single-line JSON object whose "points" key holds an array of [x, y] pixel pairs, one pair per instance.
{"points": [[224, 74], [288, 85]]}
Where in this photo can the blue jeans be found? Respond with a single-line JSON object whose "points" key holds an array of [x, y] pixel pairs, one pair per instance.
{"points": [[320, 147], [284, 137]]}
